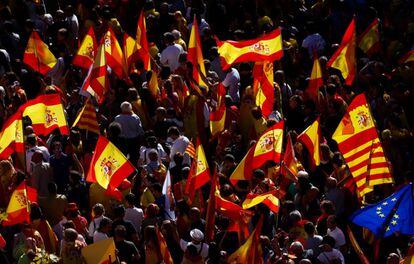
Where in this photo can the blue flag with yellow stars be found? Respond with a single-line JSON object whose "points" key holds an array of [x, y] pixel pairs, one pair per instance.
{"points": [[393, 214]]}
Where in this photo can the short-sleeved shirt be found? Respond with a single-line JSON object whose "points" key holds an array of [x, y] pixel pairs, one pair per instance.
{"points": [[204, 251], [126, 251], [338, 235]]}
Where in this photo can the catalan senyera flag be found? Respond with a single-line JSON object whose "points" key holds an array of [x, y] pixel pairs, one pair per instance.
{"points": [[101, 252], [11, 137], [199, 173], [97, 83], [18, 210], [86, 118], [369, 40], [109, 167], [311, 138], [269, 199], [37, 54], [407, 57], [251, 251], [265, 48], [263, 86], [131, 54], [289, 166], [268, 146], [46, 113], [195, 55], [344, 57], [217, 120], [361, 148], [190, 150], [356, 246], [142, 42], [316, 78], [165, 252], [113, 53], [86, 52]]}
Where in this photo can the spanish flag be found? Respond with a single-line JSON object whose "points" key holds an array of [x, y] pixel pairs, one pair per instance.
{"points": [[87, 118], [268, 146], [113, 53], [211, 209], [251, 251], [195, 55], [217, 120], [165, 252], [361, 148], [290, 164], [316, 78], [344, 57], [310, 138], [96, 83], [18, 210], [46, 113], [101, 252], [269, 199], [142, 42], [152, 84], [369, 40], [263, 86], [407, 57], [37, 55], [109, 167], [199, 173], [131, 54], [243, 171], [265, 48], [11, 137], [86, 52]]}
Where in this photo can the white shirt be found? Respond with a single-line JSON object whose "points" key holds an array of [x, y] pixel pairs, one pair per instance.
{"points": [[338, 235], [179, 145], [170, 56], [204, 251], [232, 81], [94, 225], [328, 257], [98, 236], [144, 154], [29, 155], [135, 215], [130, 124]]}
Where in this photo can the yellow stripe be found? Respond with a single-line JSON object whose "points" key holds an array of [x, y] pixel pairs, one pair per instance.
{"points": [[359, 148]]}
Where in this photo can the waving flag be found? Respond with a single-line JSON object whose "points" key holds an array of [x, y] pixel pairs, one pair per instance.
{"points": [[113, 53], [269, 199], [407, 57], [310, 138], [369, 41], [190, 150], [344, 57], [37, 55], [101, 252], [142, 42], [265, 48], [195, 55], [131, 54], [263, 86], [316, 78], [244, 170], [393, 214], [86, 118], [268, 146], [153, 84], [46, 113], [11, 137], [169, 197], [109, 167], [289, 166], [86, 52], [217, 120], [361, 148]]}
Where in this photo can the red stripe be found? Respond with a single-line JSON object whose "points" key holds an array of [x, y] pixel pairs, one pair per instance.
{"points": [[81, 61], [35, 63], [369, 28], [252, 57], [374, 49], [358, 139], [100, 146], [218, 114], [241, 44], [17, 217], [307, 142], [362, 152], [273, 207]]}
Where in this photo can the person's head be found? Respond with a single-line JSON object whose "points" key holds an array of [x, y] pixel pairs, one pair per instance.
{"points": [[393, 258], [229, 160], [152, 211], [296, 248], [327, 207], [37, 157], [119, 211], [169, 38], [309, 228], [72, 210], [295, 216], [150, 234], [160, 113], [256, 113], [120, 232], [98, 210], [326, 153], [157, 189], [173, 132], [331, 183], [70, 235], [195, 214], [328, 243], [258, 175], [331, 222], [31, 140], [130, 200], [57, 147], [105, 225], [197, 236], [35, 212], [52, 188], [126, 108]]}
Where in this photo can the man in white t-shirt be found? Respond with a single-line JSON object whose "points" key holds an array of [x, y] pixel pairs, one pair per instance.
{"points": [[335, 232], [232, 83], [197, 238], [171, 54], [178, 144]]}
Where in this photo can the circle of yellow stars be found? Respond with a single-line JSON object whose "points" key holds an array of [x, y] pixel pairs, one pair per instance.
{"points": [[394, 218]]}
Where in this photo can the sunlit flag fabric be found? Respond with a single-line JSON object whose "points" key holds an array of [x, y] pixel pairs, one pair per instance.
{"points": [[190, 150], [11, 137], [169, 197], [46, 113], [142, 42], [217, 120], [393, 214], [244, 170], [269, 199], [86, 52], [86, 118], [152, 84], [97, 83], [289, 167], [407, 57], [316, 78], [361, 148], [344, 57], [263, 86], [109, 167], [269, 146], [310, 138], [195, 55], [101, 252], [131, 54], [369, 40], [265, 48], [37, 54], [113, 53], [18, 210]]}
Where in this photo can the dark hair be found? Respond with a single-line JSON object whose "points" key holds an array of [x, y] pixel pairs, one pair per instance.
{"points": [[52, 188], [119, 211], [157, 187], [309, 228], [120, 231], [130, 198]]}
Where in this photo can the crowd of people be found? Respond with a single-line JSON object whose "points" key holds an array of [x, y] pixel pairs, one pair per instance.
{"points": [[154, 132]]}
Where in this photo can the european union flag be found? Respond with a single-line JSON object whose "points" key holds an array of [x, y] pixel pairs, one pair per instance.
{"points": [[393, 214]]}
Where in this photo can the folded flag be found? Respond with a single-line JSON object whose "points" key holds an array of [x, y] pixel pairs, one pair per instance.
{"points": [[86, 118], [101, 252], [11, 137], [269, 146], [37, 55], [265, 48], [195, 55], [316, 79], [217, 120], [86, 52], [113, 53], [311, 138], [369, 40], [289, 167], [269, 199], [109, 167], [263, 86], [142, 42], [393, 214]]}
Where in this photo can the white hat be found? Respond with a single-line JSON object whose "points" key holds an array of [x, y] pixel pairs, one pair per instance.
{"points": [[197, 235]]}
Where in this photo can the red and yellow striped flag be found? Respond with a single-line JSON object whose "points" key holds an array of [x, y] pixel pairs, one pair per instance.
{"points": [[407, 57], [265, 48], [316, 78], [86, 52], [46, 113], [131, 54], [96, 83], [113, 53], [268, 146], [369, 40], [11, 137], [142, 42], [195, 55], [217, 120], [165, 252], [199, 173], [289, 167], [344, 57], [37, 55], [18, 210], [269, 199], [87, 118], [244, 170], [361, 148], [109, 167], [310, 138], [190, 150], [263, 86]]}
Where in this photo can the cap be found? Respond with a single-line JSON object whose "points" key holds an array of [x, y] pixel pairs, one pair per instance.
{"points": [[197, 235]]}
